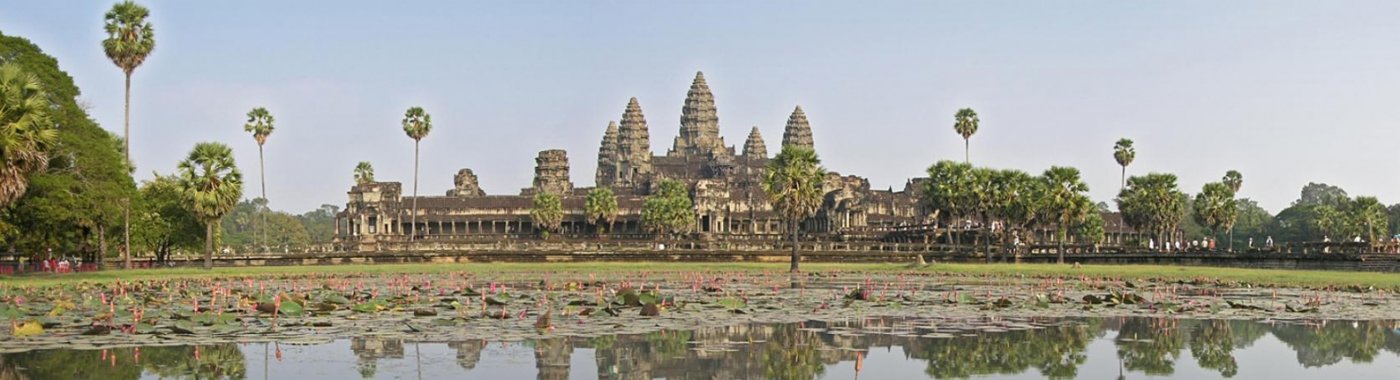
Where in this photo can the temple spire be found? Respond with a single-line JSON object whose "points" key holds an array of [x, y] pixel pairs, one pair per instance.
{"points": [[634, 145], [608, 157], [699, 133], [798, 132], [754, 148]]}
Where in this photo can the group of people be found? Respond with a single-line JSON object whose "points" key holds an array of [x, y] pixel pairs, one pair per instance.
{"points": [[60, 264]]}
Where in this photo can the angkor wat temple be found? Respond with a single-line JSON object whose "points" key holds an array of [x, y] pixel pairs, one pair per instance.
{"points": [[724, 185]]}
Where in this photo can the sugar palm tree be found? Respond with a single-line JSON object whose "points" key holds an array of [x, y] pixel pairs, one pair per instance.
{"points": [[601, 207], [1234, 180], [1065, 201], [364, 173], [793, 183], [130, 39], [1124, 153], [260, 125], [965, 123], [416, 123], [26, 131], [547, 213], [211, 185]]}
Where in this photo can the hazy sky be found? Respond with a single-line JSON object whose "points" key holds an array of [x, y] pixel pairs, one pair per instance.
{"points": [[1285, 92]]}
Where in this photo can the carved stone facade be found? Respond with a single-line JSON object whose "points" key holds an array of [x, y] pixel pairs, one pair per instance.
{"points": [[725, 187], [465, 185]]}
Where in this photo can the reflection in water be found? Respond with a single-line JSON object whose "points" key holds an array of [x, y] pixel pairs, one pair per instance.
{"points": [[944, 348], [220, 361]]}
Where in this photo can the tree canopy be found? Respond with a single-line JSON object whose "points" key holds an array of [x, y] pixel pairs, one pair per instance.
{"points": [[669, 211]]}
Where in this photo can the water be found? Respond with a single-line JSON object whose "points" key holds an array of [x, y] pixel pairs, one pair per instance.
{"points": [[872, 348]]}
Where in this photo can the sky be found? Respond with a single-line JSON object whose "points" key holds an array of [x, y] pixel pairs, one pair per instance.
{"points": [[1286, 92]]}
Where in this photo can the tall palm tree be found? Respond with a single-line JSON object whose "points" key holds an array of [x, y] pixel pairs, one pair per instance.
{"points": [[26, 131], [601, 207], [364, 173], [1065, 201], [1124, 153], [212, 186], [965, 123], [130, 39], [416, 123], [793, 183], [1234, 180], [260, 125]]}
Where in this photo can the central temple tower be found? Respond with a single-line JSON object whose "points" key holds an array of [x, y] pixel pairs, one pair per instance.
{"points": [[699, 135]]}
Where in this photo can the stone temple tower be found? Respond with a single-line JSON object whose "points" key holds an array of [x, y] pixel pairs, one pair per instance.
{"points": [[607, 157], [633, 147], [552, 173], [699, 134], [754, 148], [798, 132]]}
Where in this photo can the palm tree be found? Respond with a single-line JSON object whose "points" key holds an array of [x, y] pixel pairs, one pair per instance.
{"points": [[364, 173], [416, 123], [212, 186], [1065, 201], [1123, 153], [547, 213], [965, 123], [601, 207], [1234, 180], [260, 125], [793, 184], [26, 131], [130, 39]]}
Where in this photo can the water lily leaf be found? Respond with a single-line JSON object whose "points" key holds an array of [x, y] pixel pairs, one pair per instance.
{"points": [[291, 308], [733, 303], [28, 329]]}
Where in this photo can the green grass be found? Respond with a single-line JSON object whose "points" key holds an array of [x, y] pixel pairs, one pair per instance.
{"points": [[1271, 277]]}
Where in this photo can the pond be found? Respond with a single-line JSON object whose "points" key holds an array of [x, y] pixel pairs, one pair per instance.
{"points": [[868, 347]]}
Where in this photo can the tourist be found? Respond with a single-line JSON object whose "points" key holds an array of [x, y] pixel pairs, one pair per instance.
{"points": [[1269, 241]]}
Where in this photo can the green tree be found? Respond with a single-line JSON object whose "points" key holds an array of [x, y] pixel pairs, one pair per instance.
{"points": [[281, 230], [601, 207], [1124, 153], [669, 212], [1089, 230], [1253, 221], [260, 125], [80, 194], [364, 173], [163, 222], [130, 39], [1065, 201], [1024, 200], [965, 123], [547, 213], [212, 185], [320, 223], [1152, 204], [793, 183], [1215, 207], [947, 192], [416, 124], [1369, 216], [26, 131]]}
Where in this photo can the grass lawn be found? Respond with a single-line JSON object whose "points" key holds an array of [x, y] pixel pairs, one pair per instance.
{"points": [[1292, 278]]}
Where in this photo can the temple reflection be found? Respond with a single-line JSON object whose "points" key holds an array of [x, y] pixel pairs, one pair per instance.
{"points": [[1051, 348]]}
